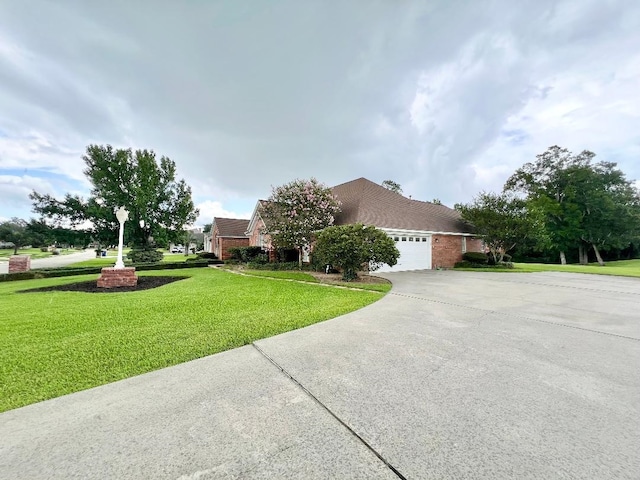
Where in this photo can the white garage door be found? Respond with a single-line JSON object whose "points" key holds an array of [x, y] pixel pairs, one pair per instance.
{"points": [[415, 253]]}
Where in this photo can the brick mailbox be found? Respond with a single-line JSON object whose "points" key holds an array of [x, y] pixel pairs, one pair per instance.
{"points": [[112, 277], [19, 263]]}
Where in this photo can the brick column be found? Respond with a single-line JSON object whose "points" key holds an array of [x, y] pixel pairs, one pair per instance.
{"points": [[19, 263], [118, 277]]}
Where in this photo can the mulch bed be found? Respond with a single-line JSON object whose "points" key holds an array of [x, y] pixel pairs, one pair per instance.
{"points": [[144, 283]]}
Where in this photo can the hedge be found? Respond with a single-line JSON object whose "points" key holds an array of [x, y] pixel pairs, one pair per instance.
{"points": [[67, 272]]}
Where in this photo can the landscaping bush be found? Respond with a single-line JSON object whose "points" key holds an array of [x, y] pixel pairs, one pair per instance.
{"points": [[247, 254], [145, 255], [208, 255], [463, 264], [68, 272], [475, 257], [44, 249]]}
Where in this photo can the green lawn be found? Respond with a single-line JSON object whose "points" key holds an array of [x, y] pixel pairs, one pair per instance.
{"points": [[55, 343], [34, 252], [624, 268], [382, 287], [283, 275]]}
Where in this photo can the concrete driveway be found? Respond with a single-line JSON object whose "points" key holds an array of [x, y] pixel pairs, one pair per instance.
{"points": [[452, 375]]}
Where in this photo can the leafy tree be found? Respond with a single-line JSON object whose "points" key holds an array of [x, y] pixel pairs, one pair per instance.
{"points": [[501, 219], [15, 231], [436, 201], [158, 204], [355, 247], [393, 186], [610, 209], [296, 211], [207, 228], [584, 204]]}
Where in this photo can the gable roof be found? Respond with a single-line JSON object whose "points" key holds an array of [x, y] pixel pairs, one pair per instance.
{"points": [[366, 202], [230, 227]]}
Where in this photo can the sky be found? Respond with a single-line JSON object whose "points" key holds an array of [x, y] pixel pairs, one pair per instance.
{"points": [[447, 98]]}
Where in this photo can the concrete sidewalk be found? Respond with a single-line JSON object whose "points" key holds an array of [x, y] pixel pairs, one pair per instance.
{"points": [[452, 375], [55, 261]]}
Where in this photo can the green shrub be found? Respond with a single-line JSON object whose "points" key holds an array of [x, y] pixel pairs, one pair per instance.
{"points": [[208, 255], [246, 254], [44, 249], [463, 264], [144, 255], [475, 257]]}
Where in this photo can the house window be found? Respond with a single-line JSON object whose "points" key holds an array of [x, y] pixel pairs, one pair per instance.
{"points": [[411, 239], [464, 244], [396, 239], [424, 239], [404, 239]]}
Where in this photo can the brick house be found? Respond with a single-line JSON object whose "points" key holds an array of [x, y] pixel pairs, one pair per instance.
{"points": [[427, 235], [227, 233]]}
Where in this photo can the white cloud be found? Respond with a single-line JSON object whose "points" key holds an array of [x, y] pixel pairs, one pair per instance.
{"points": [[444, 98], [210, 209]]}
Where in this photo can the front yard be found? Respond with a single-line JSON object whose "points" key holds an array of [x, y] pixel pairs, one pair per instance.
{"points": [[53, 343]]}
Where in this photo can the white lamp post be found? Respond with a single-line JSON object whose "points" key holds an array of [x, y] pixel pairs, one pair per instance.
{"points": [[122, 215]]}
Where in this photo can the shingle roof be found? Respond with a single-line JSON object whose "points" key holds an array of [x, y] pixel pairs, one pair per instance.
{"points": [[364, 201], [231, 227]]}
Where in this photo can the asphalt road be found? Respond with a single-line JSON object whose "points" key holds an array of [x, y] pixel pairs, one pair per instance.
{"points": [[54, 261], [451, 375]]}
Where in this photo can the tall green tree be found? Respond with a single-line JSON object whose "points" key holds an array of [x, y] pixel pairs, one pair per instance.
{"points": [[159, 205], [296, 211], [503, 221], [15, 231], [355, 247]]}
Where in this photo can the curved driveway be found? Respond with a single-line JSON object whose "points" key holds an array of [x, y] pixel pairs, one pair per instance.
{"points": [[451, 375]]}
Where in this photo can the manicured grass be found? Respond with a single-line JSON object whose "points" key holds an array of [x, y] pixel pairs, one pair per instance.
{"points": [[283, 275], [624, 268], [54, 343], [382, 287], [34, 252]]}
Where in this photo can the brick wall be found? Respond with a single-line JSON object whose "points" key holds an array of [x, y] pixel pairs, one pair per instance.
{"points": [[225, 243], [447, 249]]}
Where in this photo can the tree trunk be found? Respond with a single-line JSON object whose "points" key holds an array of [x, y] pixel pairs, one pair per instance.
{"points": [[582, 254], [563, 258], [300, 258], [15, 248], [598, 257]]}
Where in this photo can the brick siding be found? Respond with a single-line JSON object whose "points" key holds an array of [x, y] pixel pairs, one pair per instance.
{"points": [[447, 249]]}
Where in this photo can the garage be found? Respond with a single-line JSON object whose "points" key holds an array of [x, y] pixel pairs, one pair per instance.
{"points": [[415, 253]]}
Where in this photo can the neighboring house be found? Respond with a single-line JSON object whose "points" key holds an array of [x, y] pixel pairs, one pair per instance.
{"points": [[427, 235], [227, 233]]}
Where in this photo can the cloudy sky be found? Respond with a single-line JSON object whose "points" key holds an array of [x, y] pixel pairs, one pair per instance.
{"points": [[445, 97]]}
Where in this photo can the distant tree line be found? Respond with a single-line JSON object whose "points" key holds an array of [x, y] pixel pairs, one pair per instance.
{"points": [[560, 206]]}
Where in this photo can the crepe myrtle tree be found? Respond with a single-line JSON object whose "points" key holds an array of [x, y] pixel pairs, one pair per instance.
{"points": [[353, 248], [296, 211]]}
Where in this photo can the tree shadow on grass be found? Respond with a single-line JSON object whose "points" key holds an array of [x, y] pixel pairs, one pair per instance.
{"points": [[144, 283]]}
